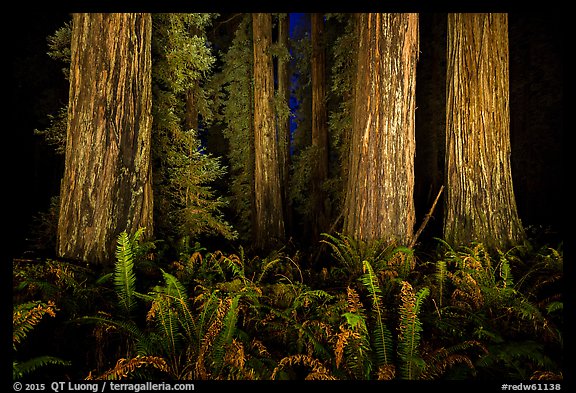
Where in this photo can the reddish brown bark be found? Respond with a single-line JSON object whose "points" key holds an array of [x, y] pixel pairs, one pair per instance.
{"points": [[106, 187], [319, 123], [480, 202], [269, 221], [379, 195]]}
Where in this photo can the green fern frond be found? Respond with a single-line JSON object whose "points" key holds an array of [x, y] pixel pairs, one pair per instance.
{"points": [[208, 311], [307, 297], [346, 251], [440, 277], [124, 277], [166, 323], [505, 271], [555, 306], [177, 295], [22, 369], [127, 327], [267, 266], [438, 362], [236, 265], [409, 331], [353, 346], [382, 337], [515, 358]]}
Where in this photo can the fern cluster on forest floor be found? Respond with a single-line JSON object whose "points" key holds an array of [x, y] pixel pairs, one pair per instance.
{"points": [[374, 311]]}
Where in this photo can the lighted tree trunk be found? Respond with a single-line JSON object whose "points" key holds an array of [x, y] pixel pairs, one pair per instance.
{"points": [[480, 203], [284, 139], [106, 187], [379, 195], [319, 123], [269, 223]]}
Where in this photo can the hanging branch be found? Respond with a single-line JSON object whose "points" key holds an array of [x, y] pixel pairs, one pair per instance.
{"points": [[426, 219]]}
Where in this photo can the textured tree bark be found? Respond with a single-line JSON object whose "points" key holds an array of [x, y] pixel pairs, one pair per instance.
{"points": [[379, 194], [106, 187], [284, 139], [319, 123], [480, 203], [269, 225]]}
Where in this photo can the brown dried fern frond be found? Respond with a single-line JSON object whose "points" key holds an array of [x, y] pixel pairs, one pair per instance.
{"points": [[353, 300], [195, 258], [260, 348], [386, 372], [401, 259], [27, 315], [546, 376], [234, 355], [319, 371], [438, 361], [151, 314], [468, 293], [323, 328], [342, 339], [436, 367], [211, 334], [124, 367]]}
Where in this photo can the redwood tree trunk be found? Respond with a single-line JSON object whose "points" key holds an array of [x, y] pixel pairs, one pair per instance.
{"points": [[284, 139], [269, 225], [319, 123], [106, 187], [379, 195], [480, 203]]}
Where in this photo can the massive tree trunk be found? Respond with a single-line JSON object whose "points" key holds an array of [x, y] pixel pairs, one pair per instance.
{"points": [[106, 187], [319, 124], [379, 195], [480, 203], [269, 225]]}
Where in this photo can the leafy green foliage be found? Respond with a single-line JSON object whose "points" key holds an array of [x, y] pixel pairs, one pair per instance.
{"points": [[59, 49], [185, 202], [211, 315], [486, 305], [234, 99], [124, 278], [382, 337]]}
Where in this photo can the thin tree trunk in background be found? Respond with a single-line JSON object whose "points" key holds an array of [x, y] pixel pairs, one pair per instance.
{"points": [[480, 203], [284, 139], [379, 194], [269, 228], [191, 116], [319, 123], [107, 187]]}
